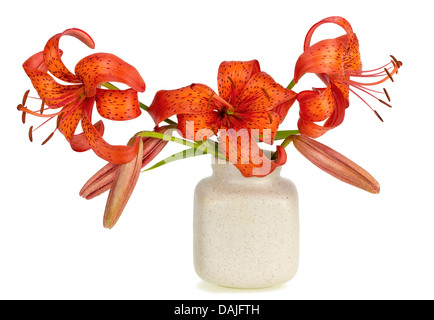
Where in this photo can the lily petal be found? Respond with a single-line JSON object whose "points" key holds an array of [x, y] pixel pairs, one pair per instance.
{"points": [[334, 19], [197, 126], [311, 129], [68, 122], [79, 142], [122, 188], [316, 105], [36, 62], [335, 164], [261, 93], [325, 56], [52, 54], [329, 102], [117, 104], [48, 89], [264, 124], [112, 153], [105, 67], [233, 76], [196, 98], [241, 149]]}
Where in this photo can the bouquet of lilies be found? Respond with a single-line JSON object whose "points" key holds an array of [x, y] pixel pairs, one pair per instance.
{"points": [[247, 109]]}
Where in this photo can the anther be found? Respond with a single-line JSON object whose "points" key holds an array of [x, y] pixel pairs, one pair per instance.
{"points": [[209, 100], [48, 138], [395, 66], [388, 74], [31, 134], [376, 113], [387, 95], [232, 81], [385, 103], [23, 117], [266, 93], [26, 94], [398, 63], [42, 105]]}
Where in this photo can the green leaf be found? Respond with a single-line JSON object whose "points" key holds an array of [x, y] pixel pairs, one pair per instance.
{"points": [[187, 153]]}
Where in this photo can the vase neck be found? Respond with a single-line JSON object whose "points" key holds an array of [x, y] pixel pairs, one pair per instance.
{"points": [[227, 171]]}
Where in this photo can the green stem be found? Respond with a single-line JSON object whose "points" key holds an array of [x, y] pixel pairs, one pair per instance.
{"points": [[287, 135], [203, 147], [291, 85], [287, 141], [283, 134], [143, 106]]}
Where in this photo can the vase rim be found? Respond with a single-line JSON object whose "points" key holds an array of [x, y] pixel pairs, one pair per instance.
{"points": [[228, 169]]}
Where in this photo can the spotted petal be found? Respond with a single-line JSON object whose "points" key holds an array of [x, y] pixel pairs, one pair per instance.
{"points": [[48, 89], [197, 126], [112, 153], [52, 54], [79, 142], [117, 104], [261, 94], [193, 99], [105, 67], [262, 125], [325, 56], [241, 149], [68, 122], [328, 103], [233, 76]]}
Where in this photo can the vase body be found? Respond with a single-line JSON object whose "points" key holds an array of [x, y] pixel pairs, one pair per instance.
{"points": [[245, 230]]}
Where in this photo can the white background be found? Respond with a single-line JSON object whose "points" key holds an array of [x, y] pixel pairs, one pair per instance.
{"points": [[354, 245]]}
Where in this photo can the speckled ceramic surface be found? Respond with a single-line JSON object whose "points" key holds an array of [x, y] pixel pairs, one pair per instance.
{"points": [[246, 230]]}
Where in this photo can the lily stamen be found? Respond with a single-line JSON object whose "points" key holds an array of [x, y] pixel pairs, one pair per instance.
{"points": [[387, 94], [376, 113], [389, 75], [379, 117], [42, 106], [26, 94], [49, 137], [366, 90], [31, 133], [386, 74], [266, 94], [385, 103]]}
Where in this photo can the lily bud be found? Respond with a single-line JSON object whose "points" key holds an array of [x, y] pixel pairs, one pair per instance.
{"points": [[121, 179], [335, 164], [122, 188], [103, 179]]}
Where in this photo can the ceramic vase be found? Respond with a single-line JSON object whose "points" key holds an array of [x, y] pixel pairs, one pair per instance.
{"points": [[245, 230]]}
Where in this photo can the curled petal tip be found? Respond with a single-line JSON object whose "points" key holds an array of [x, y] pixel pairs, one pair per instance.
{"points": [[81, 35]]}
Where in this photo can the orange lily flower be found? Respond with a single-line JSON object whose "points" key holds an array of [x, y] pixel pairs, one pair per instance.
{"points": [[335, 61], [249, 105], [76, 100]]}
